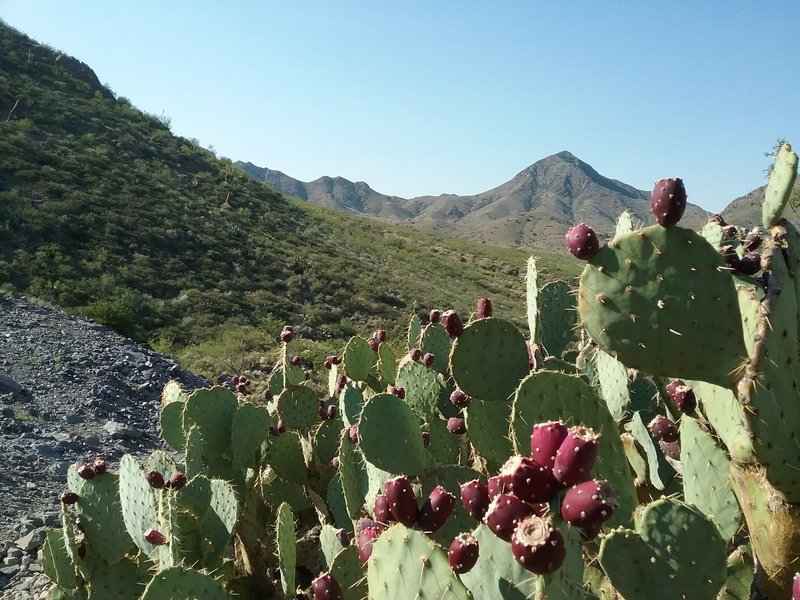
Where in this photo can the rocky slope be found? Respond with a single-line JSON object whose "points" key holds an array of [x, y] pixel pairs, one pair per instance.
{"points": [[69, 390]]}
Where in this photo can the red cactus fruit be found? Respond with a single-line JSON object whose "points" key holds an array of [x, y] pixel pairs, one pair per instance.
{"points": [[796, 587], [717, 219], [671, 449], [484, 308], [336, 360], [69, 497], [730, 232], [84, 470], [397, 391], [682, 395], [576, 455], [452, 323], [456, 425], [435, 316], [498, 485], [373, 344], [538, 546], [366, 539], [589, 503], [325, 587], [402, 501], [582, 241], [295, 360], [331, 411], [528, 480], [427, 359], [459, 398], [381, 335], [546, 439], [729, 256], [426, 439], [177, 481], [100, 466], [155, 537], [341, 381], [381, 512], [155, 479], [267, 395], [752, 241], [241, 388], [463, 553], [436, 509], [287, 334], [327, 364], [352, 433], [343, 537], [663, 429], [415, 354], [504, 513], [750, 263], [335, 463], [668, 201], [475, 498]]}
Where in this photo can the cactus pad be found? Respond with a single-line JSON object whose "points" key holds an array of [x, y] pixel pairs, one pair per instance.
{"points": [[248, 431], [359, 359], [178, 583], [286, 548], [211, 411], [423, 388], [488, 430], [434, 339], [56, 562], [779, 188], [297, 404], [557, 315], [387, 363], [390, 436]]}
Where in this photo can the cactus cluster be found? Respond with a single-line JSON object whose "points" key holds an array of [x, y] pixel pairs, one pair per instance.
{"points": [[646, 451]]}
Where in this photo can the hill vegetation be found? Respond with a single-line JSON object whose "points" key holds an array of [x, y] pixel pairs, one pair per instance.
{"points": [[104, 212]]}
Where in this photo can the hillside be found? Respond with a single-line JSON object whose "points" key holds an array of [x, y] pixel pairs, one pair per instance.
{"points": [[745, 211], [104, 212], [531, 211]]}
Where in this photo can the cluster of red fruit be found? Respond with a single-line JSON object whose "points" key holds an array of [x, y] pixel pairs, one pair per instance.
{"points": [[241, 384]]}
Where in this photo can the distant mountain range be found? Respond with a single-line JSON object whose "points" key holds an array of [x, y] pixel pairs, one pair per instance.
{"points": [[533, 210]]}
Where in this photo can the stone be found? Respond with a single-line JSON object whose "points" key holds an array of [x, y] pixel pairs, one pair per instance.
{"points": [[32, 541], [120, 431]]}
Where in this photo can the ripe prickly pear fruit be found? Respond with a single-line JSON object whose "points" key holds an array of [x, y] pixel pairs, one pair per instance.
{"points": [[459, 398], [382, 512], [504, 513], [671, 449], [576, 455], [682, 395], [267, 395], [381, 335], [343, 537], [582, 241], [718, 220], [796, 587], [729, 256], [730, 232], [589, 503], [287, 334], [527, 480], [295, 360], [752, 241], [397, 391], [402, 501], [484, 308], [498, 485], [463, 553], [426, 439], [341, 381], [435, 316], [436, 509], [750, 263], [69, 497], [475, 498], [352, 433], [427, 359], [100, 466], [415, 354], [325, 587], [373, 344], [335, 463], [663, 429], [456, 426], [155, 479], [177, 481], [668, 201], [331, 411], [452, 323], [241, 388], [546, 439], [538, 546], [84, 470], [155, 537], [366, 539]]}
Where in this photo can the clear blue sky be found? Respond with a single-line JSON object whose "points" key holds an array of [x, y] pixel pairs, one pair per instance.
{"points": [[421, 97]]}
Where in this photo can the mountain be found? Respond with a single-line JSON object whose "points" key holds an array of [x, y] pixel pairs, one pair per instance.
{"points": [[532, 210], [745, 211], [106, 213]]}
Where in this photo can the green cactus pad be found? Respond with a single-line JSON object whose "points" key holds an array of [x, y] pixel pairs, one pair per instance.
{"points": [[374, 483], [406, 564], [350, 574], [780, 186], [138, 501], [297, 404], [286, 548], [249, 429], [213, 503], [120, 581], [713, 233], [423, 388], [359, 360], [450, 477], [557, 316], [489, 359], [444, 447], [193, 453], [659, 299], [414, 332], [434, 339], [287, 458], [532, 300], [351, 474], [488, 430], [567, 582], [171, 423], [390, 437], [351, 401], [329, 545], [211, 410], [276, 378], [178, 583], [739, 578], [551, 396], [654, 561], [333, 375], [624, 224], [387, 363], [637, 461], [56, 562], [706, 469], [326, 440], [59, 593], [660, 471], [337, 505], [292, 374], [497, 574], [163, 463], [173, 392], [612, 376], [275, 491]]}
